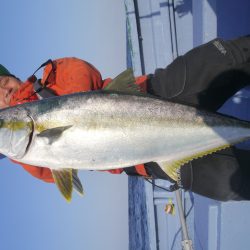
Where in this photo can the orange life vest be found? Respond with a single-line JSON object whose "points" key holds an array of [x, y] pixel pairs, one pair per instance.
{"points": [[66, 76]]}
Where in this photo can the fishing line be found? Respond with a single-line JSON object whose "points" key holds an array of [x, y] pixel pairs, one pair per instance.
{"points": [[140, 39], [171, 188], [175, 30], [171, 33]]}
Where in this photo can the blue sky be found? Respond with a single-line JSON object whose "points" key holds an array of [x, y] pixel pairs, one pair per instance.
{"points": [[33, 214]]}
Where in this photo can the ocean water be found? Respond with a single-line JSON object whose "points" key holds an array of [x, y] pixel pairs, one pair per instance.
{"points": [[138, 225]]}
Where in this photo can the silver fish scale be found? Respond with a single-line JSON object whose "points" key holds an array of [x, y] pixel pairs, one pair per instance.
{"points": [[111, 130]]}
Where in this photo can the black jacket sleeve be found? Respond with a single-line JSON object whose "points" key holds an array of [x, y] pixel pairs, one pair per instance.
{"points": [[207, 75]]}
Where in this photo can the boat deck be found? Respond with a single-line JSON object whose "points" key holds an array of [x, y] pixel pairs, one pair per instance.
{"points": [[159, 31]]}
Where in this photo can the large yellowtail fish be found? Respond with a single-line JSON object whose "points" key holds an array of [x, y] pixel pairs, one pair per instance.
{"points": [[114, 128]]}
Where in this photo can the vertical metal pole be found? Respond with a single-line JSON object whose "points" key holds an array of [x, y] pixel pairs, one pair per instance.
{"points": [[140, 39], [186, 242]]}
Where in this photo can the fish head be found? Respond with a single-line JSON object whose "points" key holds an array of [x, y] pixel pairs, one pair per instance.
{"points": [[16, 128]]}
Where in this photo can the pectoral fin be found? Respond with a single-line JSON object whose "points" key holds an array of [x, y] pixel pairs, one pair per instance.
{"points": [[53, 134], [64, 181], [77, 183]]}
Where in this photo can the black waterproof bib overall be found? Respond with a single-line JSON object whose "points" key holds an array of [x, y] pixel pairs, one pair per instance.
{"points": [[206, 77]]}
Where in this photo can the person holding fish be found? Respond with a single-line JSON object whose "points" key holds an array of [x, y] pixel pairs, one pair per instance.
{"points": [[203, 78]]}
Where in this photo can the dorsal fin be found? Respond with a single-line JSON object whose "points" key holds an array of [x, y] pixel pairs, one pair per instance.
{"points": [[124, 82]]}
